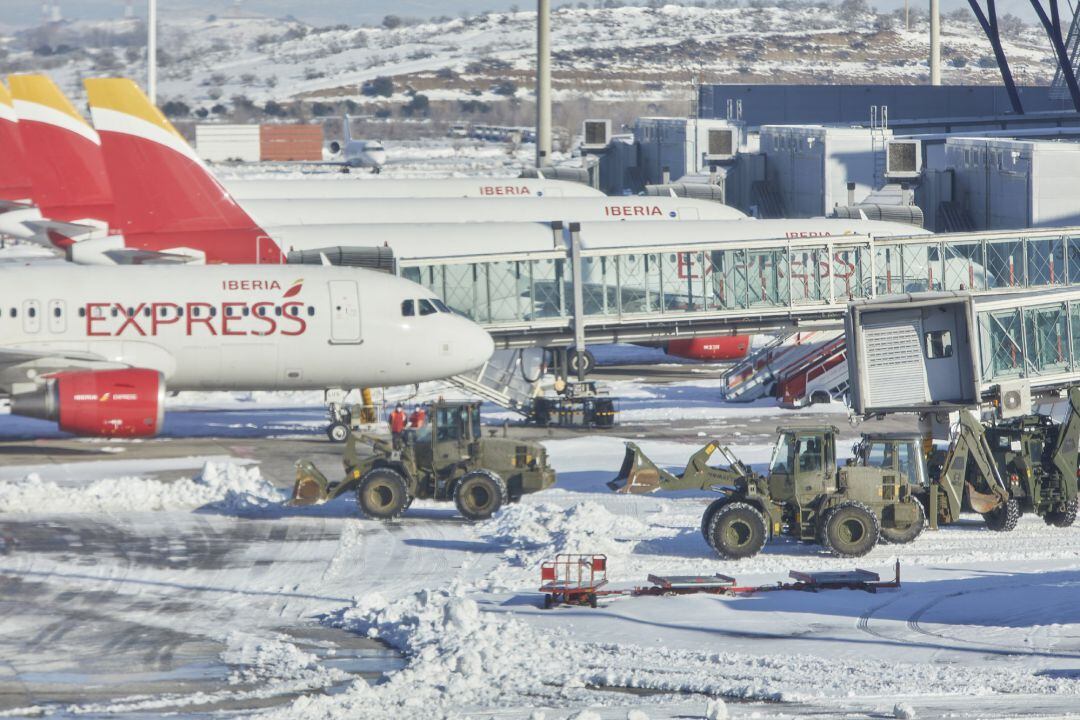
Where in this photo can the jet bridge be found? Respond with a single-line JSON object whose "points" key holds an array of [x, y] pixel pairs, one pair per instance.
{"points": [[942, 351]]}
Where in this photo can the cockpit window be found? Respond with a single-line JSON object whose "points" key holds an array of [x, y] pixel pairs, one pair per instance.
{"points": [[407, 308], [440, 305], [426, 308]]}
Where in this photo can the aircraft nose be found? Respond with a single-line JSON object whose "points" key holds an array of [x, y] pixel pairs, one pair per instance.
{"points": [[471, 345]]}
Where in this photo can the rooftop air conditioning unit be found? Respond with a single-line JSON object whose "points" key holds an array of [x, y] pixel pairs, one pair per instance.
{"points": [[721, 145], [1014, 398], [596, 134], [903, 159]]}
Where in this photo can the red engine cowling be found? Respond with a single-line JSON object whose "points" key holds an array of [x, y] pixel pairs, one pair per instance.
{"points": [[725, 347], [111, 403]]}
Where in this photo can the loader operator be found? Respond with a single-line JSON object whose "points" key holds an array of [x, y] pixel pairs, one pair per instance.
{"points": [[398, 421]]}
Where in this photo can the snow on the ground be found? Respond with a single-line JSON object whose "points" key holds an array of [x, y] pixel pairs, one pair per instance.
{"points": [[229, 486]]}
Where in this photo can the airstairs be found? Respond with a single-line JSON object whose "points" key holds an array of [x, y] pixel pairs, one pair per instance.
{"points": [[509, 379], [818, 376], [758, 375]]}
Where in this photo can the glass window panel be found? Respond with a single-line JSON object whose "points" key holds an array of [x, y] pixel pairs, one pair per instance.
{"points": [[1047, 339], [1073, 246], [887, 270], [1005, 263], [1000, 344], [766, 273], [639, 284], [850, 273], [507, 291], [964, 267], [547, 290], [922, 267], [459, 289], [1045, 261], [809, 273], [678, 272]]}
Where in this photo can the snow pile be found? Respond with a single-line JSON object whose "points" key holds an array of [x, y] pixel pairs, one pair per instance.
{"points": [[260, 660], [716, 710], [532, 534], [903, 711], [221, 486], [460, 657]]}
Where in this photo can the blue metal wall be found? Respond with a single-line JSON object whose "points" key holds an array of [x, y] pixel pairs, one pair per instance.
{"points": [[812, 104]]}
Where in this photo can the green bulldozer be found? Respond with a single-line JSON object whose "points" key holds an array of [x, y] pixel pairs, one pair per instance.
{"points": [[448, 459], [805, 495]]}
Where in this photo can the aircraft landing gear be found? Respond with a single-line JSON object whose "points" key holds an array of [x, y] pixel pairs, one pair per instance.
{"points": [[340, 413]]}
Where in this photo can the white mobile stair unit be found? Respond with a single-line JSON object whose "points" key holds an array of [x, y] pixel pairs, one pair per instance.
{"points": [[503, 380], [758, 374], [818, 376]]}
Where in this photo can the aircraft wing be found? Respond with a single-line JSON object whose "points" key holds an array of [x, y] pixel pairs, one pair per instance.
{"points": [[17, 356], [44, 361]]}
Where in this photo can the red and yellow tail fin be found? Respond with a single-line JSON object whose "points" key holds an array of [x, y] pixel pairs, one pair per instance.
{"points": [[63, 153], [14, 181], [162, 189]]}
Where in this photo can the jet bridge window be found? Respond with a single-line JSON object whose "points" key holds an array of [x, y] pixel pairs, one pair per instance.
{"points": [[938, 344], [408, 308]]}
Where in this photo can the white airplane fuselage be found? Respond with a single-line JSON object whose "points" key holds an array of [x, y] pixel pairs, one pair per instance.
{"points": [[231, 327], [334, 185]]}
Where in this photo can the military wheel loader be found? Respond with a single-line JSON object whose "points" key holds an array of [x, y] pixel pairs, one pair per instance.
{"points": [[448, 459], [1027, 464], [805, 494]]}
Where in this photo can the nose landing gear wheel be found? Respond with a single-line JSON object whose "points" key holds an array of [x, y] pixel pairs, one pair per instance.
{"points": [[337, 432]]}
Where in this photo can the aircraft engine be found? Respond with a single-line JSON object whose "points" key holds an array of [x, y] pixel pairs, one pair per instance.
{"points": [[335, 147], [107, 403], [726, 347]]}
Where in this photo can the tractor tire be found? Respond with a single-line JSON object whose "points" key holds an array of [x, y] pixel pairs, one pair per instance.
{"points": [[851, 530], [548, 601], [383, 494], [480, 494], [1062, 518], [337, 432], [902, 536], [706, 517], [1004, 517], [736, 531]]}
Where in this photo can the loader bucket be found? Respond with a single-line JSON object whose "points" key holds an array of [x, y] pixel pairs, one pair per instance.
{"points": [[980, 502], [311, 485], [638, 475]]}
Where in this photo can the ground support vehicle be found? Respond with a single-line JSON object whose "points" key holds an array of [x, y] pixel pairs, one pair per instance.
{"points": [[448, 459], [573, 579], [805, 495], [1026, 464]]}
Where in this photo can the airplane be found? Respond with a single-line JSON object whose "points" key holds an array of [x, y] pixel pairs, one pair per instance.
{"points": [[471, 187], [357, 153], [95, 349]]}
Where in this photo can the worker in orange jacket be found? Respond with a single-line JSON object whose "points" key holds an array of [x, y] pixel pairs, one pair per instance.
{"points": [[398, 422], [418, 418]]}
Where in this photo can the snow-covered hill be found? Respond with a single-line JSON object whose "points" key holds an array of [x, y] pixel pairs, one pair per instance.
{"points": [[620, 54]]}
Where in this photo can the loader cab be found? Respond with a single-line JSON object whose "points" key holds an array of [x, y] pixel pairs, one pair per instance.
{"points": [[803, 462], [451, 429], [896, 455]]}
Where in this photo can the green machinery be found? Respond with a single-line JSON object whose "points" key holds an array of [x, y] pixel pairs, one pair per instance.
{"points": [[1026, 464], [447, 459], [805, 495]]}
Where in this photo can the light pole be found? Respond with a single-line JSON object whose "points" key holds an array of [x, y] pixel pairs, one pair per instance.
{"points": [[151, 51], [543, 82], [935, 42]]}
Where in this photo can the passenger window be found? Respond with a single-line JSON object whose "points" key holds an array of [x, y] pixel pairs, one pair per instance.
{"points": [[14, 312], [115, 312], [261, 312], [179, 311], [407, 309], [213, 312], [146, 312], [56, 312], [938, 344], [426, 308], [196, 311], [32, 312], [228, 311], [82, 312], [311, 311], [277, 310]]}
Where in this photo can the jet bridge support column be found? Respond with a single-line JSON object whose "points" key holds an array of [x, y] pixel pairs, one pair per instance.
{"points": [[579, 298]]}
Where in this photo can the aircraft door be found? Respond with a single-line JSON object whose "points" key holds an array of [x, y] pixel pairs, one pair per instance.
{"points": [[31, 310], [57, 316], [344, 312]]}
